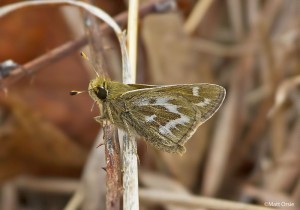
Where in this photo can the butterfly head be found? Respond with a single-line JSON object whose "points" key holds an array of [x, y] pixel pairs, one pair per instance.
{"points": [[98, 89]]}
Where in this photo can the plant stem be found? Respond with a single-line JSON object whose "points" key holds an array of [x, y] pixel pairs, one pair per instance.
{"points": [[130, 168]]}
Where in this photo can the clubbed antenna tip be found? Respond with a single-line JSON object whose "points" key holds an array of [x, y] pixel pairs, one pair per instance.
{"points": [[75, 92]]}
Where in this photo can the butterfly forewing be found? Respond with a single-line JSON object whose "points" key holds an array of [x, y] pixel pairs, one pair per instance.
{"points": [[168, 115]]}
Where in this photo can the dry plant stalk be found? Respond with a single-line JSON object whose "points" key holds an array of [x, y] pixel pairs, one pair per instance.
{"points": [[111, 141], [197, 15], [130, 167]]}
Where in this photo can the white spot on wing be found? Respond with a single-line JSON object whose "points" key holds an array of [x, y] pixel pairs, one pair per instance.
{"points": [[166, 129], [182, 120], [204, 103], [150, 118], [195, 91], [161, 101], [142, 102]]}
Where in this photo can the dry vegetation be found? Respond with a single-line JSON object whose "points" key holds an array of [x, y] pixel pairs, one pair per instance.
{"points": [[248, 153]]}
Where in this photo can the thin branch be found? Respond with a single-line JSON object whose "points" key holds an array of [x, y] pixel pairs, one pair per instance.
{"points": [[113, 168], [66, 49], [197, 15], [42, 61]]}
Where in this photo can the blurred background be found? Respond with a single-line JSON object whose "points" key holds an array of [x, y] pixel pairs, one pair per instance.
{"points": [[248, 152]]}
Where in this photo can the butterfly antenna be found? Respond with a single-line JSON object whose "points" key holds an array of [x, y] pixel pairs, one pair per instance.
{"points": [[91, 65], [76, 92]]}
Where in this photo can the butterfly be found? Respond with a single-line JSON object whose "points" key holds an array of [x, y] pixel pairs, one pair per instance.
{"points": [[166, 116]]}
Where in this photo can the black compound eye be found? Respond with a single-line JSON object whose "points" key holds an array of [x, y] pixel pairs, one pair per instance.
{"points": [[101, 93]]}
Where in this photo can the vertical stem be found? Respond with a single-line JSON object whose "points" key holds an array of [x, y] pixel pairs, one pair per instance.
{"points": [[132, 35], [130, 176], [112, 147], [197, 15], [113, 170]]}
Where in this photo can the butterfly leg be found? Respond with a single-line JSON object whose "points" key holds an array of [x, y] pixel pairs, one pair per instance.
{"points": [[108, 111], [105, 115]]}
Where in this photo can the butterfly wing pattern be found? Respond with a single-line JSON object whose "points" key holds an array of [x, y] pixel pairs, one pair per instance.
{"points": [[182, 109]]}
